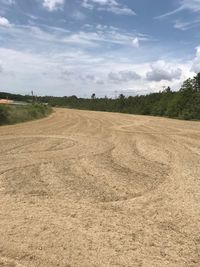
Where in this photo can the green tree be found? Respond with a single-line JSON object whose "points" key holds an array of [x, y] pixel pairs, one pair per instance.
{"points": [[93, 96]]}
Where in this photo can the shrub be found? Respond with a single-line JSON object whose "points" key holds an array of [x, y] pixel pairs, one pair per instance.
{"points": [[4, 114], [15, 114]]}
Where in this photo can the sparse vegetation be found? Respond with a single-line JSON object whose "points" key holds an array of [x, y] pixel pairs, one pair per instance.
{"points": [[16, 113]]}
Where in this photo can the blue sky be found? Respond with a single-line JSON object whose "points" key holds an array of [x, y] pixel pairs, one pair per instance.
{"points": [[65, 47]]}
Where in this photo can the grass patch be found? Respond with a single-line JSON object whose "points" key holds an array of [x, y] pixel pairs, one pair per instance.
{"points": [[15, 114]]}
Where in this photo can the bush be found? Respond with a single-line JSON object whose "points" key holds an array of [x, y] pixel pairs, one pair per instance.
{"points": [[15, 114], [4, 114]]}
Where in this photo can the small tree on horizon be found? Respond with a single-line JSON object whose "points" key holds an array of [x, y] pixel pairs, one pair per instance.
{"points": [[93, 96]]}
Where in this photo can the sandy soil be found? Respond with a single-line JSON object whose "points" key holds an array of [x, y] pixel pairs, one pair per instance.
{"points": [[6, 101], [85, 188]]}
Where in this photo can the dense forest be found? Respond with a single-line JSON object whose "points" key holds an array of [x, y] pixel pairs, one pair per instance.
{"points": [[183, 104]]}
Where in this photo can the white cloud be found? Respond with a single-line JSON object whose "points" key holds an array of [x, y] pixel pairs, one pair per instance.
{"points": [[53, 5], [98, 36], [72, 72], [78, 15], [136, 42], [191, 5], [196, 62], [169, 13], [186, 25], [4, 22], [1, 69], [106, 35], [181, 23], [65, 64], [119, 10], [161, 70], [123, 76], [7, 2], [108, 5]]}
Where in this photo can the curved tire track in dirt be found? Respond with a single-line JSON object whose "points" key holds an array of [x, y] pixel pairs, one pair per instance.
{"points": [[84, 188]]}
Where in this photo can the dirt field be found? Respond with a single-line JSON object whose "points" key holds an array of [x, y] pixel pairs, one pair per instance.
{"points": [[6, 101], [88, 189]]}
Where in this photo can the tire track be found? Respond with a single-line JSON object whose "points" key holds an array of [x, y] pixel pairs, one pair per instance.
{"points": [[83, 188]]}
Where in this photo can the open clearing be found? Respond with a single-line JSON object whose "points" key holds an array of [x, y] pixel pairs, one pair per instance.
{"points": [[84, 188]]}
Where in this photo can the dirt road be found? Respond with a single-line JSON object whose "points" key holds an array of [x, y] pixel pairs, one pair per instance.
{"points": [[88, 189]]}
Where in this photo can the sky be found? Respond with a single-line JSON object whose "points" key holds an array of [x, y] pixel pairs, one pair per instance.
{"points": [[106, 47]]}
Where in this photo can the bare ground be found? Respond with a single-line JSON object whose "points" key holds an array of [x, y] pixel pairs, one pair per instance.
{"points": [[85, 188]]}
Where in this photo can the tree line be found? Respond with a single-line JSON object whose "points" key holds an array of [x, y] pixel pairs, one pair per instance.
{"points": [[182, 104]]}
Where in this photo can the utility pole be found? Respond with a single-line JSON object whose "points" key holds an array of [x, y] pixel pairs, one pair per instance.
{"points": [[116, 94], [32, 96]]}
